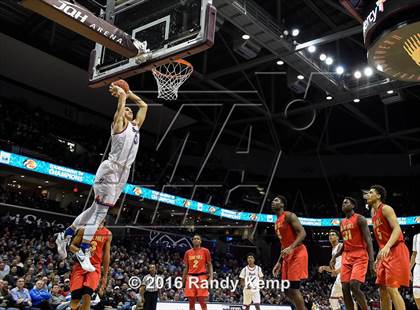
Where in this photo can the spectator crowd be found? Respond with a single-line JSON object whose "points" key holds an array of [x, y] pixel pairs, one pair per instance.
{"points": [[32, 277]]}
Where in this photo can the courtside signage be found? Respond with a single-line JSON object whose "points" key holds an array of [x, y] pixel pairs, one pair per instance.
{"points": [[42, 167]]}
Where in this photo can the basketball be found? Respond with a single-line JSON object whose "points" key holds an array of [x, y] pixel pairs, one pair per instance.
{"points": [[123, 84]]}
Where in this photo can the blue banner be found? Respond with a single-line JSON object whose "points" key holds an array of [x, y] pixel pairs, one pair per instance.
{"points": [[43, 167]]}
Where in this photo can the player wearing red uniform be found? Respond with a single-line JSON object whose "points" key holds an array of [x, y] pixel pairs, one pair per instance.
{"points": [[293, 260], [198, 272], [357, 254], [393, 260], [84, 283]]}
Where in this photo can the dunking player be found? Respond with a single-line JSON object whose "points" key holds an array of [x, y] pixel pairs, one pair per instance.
{"points": [[112, 174], [250, 281], [336, 292], [415, 262], [357, 254], [198, 270], [293, 260], [393, 260], [84, 283]]}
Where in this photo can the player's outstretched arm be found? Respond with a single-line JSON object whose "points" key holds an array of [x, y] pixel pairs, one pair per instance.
{"points": [[141, 114], [391, 217], [105, 264], [119, 120]]}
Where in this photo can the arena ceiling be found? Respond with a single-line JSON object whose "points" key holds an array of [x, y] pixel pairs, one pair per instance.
{"points": [[223, 78]]}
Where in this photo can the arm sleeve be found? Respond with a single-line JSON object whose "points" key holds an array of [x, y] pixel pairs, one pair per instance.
{"points": [[415, 241], [242, 274]]}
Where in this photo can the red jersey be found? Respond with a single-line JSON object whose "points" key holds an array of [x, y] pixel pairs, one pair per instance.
{"points": [[382, 229], [352, 234], [97, 245], [197, 260], [284, 231]]}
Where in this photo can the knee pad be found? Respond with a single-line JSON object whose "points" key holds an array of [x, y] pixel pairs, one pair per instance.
{"points": [[416, 292]]}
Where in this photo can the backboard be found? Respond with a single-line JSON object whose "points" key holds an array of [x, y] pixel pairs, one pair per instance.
{"points": [[172, 29]]}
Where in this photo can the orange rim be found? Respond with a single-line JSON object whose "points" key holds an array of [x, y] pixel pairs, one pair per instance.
{"points": [[180, 61]]}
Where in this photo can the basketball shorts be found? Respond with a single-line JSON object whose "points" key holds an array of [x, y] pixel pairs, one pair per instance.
{"points": [[80, 278], [109, 182], [295, 266], [196, 286], [354, 266], [252, 297], [394, 270]]}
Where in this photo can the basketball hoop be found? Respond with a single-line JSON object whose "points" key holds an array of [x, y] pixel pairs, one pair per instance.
{"points": [[170, 77]]}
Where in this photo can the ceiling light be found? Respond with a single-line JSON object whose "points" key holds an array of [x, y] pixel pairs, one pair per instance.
{"points": [[22, 176], [357, 74], [295, 32], [380, 68], [329, 61], [323, 57], [300, 77], [280, 62], [47, 181], [286, 33], [39, 186], [356, 100], [14, 181], [390, 92], [312, 49], [246, 36], [339, 70], [368, 71], [329, 97]]}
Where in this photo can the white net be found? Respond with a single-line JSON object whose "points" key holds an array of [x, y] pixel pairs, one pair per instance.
{"points": [[170, 77]]}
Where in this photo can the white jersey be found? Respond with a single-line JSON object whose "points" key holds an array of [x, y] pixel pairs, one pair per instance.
{"points": [[416, 247], [338, 259], [252, 277], [124, 145]]}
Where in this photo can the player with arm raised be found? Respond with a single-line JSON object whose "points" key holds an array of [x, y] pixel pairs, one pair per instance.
{"points": [[393, 260], [293, 260], [83, 283], [112, 174]]}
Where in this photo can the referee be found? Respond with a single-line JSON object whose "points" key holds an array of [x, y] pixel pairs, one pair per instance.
{"points": [[149, 289]]}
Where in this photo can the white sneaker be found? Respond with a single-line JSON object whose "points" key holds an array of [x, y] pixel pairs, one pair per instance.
{"points": [[61, 241], [84, 260]]}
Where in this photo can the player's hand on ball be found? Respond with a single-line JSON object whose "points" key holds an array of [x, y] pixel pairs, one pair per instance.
{"points": [[116, 91]]}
